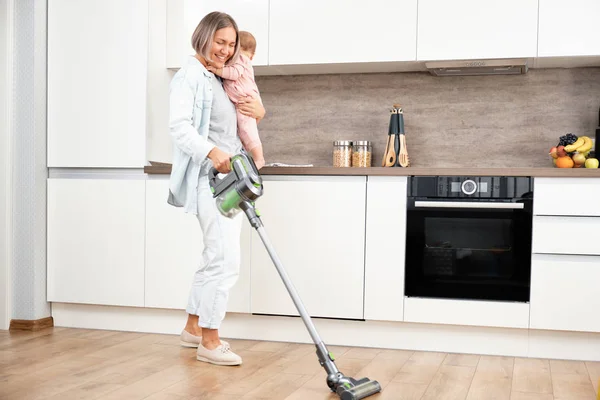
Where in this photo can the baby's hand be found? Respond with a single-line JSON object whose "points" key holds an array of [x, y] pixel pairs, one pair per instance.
{"points": [[214, 70]]}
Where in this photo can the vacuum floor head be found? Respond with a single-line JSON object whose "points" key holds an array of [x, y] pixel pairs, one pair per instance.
{"points": [[352, 389]]}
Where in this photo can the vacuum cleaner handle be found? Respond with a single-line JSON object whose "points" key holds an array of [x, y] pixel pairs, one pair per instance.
{"points": [[213, 175], [213, 172]]}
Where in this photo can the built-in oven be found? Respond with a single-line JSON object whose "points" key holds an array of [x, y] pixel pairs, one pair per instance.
{"points": [[469, 238]]}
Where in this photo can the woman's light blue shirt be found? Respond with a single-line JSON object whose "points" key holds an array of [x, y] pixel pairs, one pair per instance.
{"points": [[192, 91]]}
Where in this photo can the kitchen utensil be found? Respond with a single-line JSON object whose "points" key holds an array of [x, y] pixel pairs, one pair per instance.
{"points": [[391, 151], [390, 159], [397, 132], [402, 158], [597, 139], [385, 151]]}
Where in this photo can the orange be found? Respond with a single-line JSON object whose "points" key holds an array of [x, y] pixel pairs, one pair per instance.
{"points": [[564, 162]]}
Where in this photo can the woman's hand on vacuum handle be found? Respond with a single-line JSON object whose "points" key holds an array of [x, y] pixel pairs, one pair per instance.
{"points": [[221, 160]]}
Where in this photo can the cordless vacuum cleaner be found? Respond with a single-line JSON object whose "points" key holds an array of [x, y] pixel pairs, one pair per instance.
{"points": [[237, 191]]}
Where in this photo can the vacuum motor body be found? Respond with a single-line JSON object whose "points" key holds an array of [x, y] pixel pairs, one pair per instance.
{"points": [[237, 190]]}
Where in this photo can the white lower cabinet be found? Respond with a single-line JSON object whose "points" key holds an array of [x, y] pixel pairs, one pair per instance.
{"points": [[174, 252], [566, 196], [385, 247], [467, 312], [565, 292], [316, 226], [549, 235], [96, 241]]}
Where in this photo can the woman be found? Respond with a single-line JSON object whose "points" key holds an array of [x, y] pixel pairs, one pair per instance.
{"points": [[204, 131]]}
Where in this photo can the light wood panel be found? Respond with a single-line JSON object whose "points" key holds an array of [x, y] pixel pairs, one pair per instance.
{"points": [[61, 363]]}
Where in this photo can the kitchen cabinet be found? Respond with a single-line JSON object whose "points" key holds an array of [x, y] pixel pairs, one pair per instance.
{"points": [[97, 73], [566, 196], [569, 28], [385, 248], [342, 31], [564, 292], [316, 225], [184, 15], [566, 235], [565, 267], [466, 312], [174, 251], [95, 244], [471, 29]]}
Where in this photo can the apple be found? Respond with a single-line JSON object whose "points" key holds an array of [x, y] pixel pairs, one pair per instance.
{"points": [[591, 163], [553, 152], [560, 150], [578, 159]]}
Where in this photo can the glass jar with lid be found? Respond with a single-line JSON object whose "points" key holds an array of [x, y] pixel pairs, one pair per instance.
{"points": [[342, 153], [362, 151]]}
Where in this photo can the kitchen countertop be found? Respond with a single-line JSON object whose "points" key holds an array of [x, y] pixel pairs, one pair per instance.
{"points": [[163, 168]]}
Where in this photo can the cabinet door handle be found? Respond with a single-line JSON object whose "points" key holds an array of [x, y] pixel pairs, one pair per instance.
{"points": [[471, 204]]}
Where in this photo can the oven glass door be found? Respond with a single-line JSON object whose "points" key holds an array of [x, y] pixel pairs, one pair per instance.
{"points": [[468, 250]]}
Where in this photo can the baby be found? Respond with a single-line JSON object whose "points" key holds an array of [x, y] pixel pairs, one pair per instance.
{"points": [[239, 83]]}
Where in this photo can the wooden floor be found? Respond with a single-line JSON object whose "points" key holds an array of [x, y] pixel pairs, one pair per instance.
{"points": [[64, 364]]}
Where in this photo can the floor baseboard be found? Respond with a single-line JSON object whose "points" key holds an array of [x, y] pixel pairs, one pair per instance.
{"points": [[31, 325]]}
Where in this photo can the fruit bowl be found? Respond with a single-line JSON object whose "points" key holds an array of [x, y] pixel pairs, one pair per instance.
{"points": [[573, 152]]}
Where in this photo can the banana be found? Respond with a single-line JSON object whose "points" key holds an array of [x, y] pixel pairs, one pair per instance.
{"points": [[572, 147], [586, 146]]}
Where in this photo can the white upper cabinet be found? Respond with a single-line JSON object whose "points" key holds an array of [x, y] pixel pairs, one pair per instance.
{"points": [[97, 73], [342, 31], [474, 29], [569, 28], [184, 15]]}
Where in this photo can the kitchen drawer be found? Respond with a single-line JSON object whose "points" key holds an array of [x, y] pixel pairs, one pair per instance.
{"points": [[565, 292], [566, 235], [566, 196], [466, 312]]}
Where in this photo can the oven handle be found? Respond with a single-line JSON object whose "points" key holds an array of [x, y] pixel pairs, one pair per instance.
{"points": [[470, 204]]}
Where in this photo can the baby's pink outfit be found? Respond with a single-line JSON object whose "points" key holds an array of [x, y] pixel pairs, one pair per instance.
{"points": [[239, 83]]}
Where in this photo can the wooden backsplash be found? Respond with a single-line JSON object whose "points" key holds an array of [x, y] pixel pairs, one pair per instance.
{"points": [[493, 121]]}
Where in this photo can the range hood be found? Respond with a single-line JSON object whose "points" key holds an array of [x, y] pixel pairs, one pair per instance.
{"points": [[512, 66]]}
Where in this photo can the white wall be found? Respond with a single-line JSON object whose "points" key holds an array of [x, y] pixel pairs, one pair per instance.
{"points": [[29, 171], [5, 158]]}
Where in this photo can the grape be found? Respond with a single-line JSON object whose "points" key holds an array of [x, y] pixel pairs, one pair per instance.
{"points": [[567, 139]]}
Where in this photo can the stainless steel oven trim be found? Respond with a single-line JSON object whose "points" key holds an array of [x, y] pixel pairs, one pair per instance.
{"points": [[469, 204]]}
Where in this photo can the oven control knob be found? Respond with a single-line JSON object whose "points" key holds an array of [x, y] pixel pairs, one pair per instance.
{"points": [[469, 187]]}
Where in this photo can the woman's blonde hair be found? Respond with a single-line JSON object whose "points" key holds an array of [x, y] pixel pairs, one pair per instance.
{"points": [[204, 33]]}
